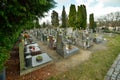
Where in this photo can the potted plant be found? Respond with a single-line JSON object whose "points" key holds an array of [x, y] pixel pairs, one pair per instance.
{"points": [[39, 58], [3, 58]]}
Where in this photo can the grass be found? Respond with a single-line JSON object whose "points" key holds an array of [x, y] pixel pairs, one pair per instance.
{"points": [[97, 66]]}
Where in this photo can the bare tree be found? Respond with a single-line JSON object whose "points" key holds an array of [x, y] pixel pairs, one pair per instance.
{"points": [[112, 19]]}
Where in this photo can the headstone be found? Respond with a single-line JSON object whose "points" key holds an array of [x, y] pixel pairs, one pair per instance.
{"points": [[86, 39], [69, 31], [42, 37], [51, 41], [59, 45], [45, 37]]}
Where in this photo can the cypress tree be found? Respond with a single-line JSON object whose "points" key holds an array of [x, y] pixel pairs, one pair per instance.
{"points": [[79, 17], [54, 19], [91, 21], [72, 16], [84, 24], [64, 17]]}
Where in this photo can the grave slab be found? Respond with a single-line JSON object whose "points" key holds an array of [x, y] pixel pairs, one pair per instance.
{"points": [[45, 57]]}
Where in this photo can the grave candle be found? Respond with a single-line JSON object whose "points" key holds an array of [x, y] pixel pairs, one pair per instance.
{"points": [[33, 48]]}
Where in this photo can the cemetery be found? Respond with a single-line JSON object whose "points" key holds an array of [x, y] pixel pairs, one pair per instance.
{"points": [[65, 42], [38, 42], [40, 48]]}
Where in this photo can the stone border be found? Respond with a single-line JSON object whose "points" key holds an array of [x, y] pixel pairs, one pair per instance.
{"points": [[114, 71]]}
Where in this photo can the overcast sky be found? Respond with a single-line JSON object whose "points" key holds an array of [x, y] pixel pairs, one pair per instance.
{"points": [[98, 7]]}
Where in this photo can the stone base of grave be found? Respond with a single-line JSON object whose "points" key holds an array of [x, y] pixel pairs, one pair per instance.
{"points": [[85, 45], [68, 52], [46, 60], [98, 40]]}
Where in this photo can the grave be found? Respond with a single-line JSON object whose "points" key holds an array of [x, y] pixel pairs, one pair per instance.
{"points": [[28, 54], [69, 49], [52, 42], [59, 45], [87, 39], [98, 38], [65, 49], [45, 59], [32, 49]]}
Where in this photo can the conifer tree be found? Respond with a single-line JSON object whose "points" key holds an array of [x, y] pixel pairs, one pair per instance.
{"points": [[91, 21], [72, 16], [84, 13], [54, 19], [81, 17], [64, 17]]}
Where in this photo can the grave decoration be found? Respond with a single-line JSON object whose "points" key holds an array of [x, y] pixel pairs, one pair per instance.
{"points": [[43, 60], [32, 49], [26, 35], [39, 58]]}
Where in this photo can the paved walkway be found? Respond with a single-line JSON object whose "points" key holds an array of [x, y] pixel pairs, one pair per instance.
{"points": [[114, 71]]}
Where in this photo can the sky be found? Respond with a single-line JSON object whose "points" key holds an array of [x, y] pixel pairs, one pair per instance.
{"points": [[98, 7]]}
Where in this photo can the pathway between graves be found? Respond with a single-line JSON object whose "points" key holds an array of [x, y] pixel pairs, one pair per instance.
{"points": [[114, 71]]}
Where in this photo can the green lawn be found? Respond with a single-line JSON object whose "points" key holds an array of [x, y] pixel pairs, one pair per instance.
{"points": [[97, 66]]}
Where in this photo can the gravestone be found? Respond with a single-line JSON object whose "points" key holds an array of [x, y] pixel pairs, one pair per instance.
{"points": [[65, 48], [91, 37], [59, 45], [86, 39], [51, 41], [69, 31], [39, 35], [78, 39], [45, 37], [42, 37]]}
